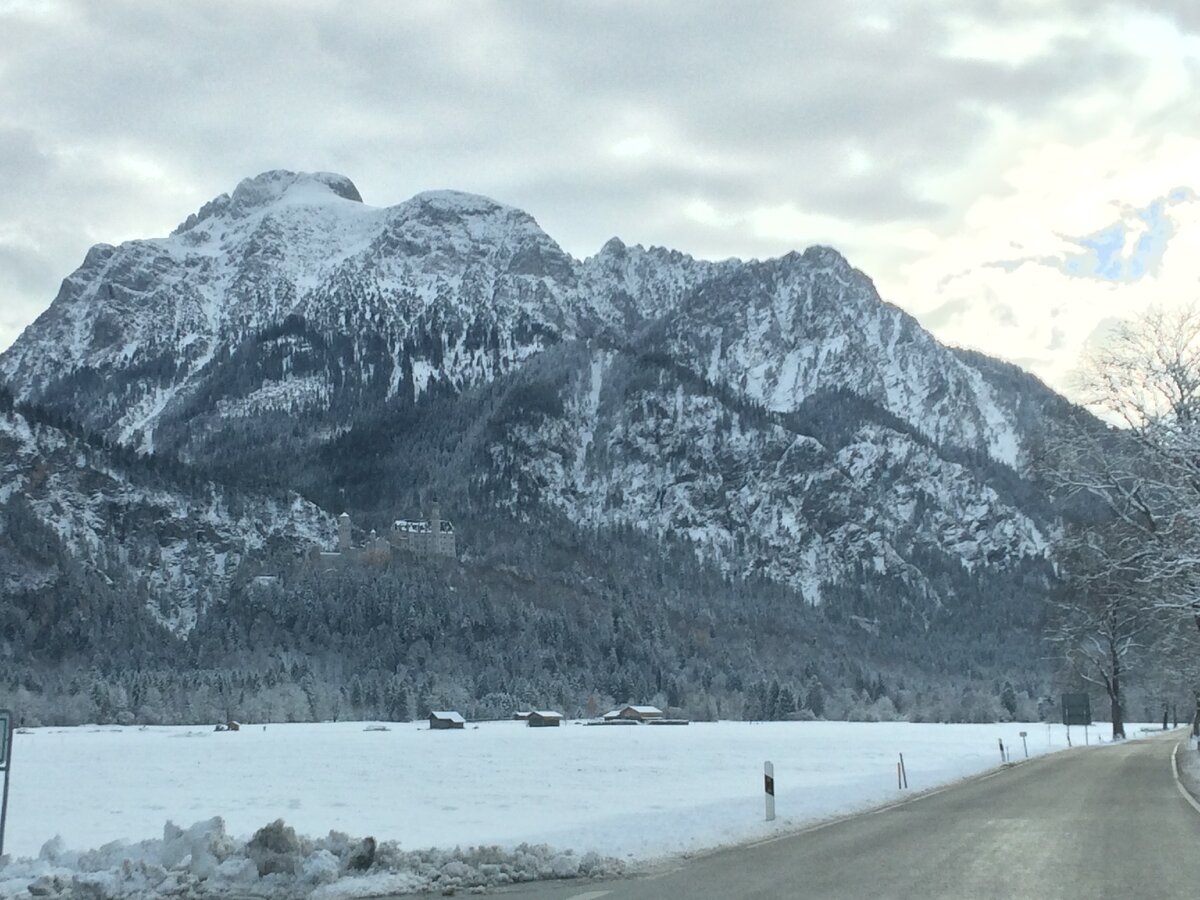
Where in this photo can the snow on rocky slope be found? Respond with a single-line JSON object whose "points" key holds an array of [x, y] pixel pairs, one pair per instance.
{"points": [[178, 547], [782, 330], [457, 288], [640, 447], [158, 314]]}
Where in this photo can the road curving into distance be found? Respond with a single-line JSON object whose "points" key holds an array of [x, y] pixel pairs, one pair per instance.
{"points": [[1099, 822]]}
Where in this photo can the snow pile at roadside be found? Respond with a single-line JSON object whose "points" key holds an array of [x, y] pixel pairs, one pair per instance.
{"points": [[204, 861]]}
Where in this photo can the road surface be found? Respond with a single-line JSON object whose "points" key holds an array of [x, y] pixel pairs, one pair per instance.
{"points": [[1101, 822]]}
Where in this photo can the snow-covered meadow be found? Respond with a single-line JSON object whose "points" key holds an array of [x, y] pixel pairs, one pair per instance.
{"points": [[629, 793]]}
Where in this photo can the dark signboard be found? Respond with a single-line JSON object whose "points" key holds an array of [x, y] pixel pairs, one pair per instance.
{"points": [[1077, 709]]}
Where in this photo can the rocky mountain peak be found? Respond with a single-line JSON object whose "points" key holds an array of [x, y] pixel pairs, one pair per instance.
{"points": [[457, 202], [825, 257], [614, 246], [476, 217], [275, 187]]}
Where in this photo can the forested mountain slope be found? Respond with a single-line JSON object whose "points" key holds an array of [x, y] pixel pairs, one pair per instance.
{"points": [[774, 422]]}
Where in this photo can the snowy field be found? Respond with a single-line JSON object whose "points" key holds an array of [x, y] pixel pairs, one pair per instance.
{"points": [[628, 794]]}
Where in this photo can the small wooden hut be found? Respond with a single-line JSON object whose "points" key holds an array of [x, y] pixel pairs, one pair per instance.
{"points": [[445, 718]]}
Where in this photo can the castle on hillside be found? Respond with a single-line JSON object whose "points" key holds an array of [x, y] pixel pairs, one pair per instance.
{"points": [[424, 537]]}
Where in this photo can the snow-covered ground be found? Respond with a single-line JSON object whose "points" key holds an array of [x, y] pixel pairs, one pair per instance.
{"points": [[609, 795]]}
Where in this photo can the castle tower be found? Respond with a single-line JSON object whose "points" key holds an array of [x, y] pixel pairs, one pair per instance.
{"points": [[435, 519], [345, 541]]}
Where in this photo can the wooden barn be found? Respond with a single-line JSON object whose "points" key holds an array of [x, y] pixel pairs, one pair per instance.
{"points": [[634, 713], [443, 718], [544, 718]]}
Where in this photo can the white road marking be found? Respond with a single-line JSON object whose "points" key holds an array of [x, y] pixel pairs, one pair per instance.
{"points": [[590, 895], [1187, 795]]}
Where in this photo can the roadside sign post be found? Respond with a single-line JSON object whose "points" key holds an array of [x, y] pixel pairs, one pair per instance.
{"points": [[769, 787], [1077, 709], [1025, 744], [5, 767]]}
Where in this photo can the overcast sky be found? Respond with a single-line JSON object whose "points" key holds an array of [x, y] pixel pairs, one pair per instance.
{"points": [[1012, 172]]}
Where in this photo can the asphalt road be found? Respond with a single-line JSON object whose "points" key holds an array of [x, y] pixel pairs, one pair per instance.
{"points": [[1101, 822]]}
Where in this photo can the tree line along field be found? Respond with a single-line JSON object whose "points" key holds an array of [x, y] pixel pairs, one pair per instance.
{"points": [[496, 633], [544, 612]]}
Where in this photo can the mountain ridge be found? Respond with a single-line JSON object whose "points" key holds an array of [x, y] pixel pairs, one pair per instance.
{"points": [[442, 255]]}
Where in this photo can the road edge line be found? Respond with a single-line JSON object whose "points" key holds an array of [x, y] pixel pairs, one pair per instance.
{"points": [[667, 865], [1187, 795], [874, 810]]}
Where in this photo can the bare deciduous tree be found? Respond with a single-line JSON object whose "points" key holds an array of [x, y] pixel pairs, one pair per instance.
{"points": [[1143, 557], [1100, 620]]}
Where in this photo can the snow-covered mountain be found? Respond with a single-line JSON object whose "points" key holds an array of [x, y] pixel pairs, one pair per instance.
{"points": [[140, 328], [778, 415], [457, 288]]}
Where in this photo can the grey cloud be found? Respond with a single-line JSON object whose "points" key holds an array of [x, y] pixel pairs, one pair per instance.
{"points": [[1184, 14], [24, 270], [1003, 314], [770, 83], [946, 313], [26, 277], [782, 88], [22, 160]]}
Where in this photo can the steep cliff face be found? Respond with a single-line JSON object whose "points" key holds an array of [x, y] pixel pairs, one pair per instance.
{"points": [[777, 415]]}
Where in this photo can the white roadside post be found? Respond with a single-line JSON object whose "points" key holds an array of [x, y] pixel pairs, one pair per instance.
{"points": [[6, 735], [769, 787], [1025, 744]]}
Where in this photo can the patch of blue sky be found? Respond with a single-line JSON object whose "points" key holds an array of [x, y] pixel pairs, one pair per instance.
{"points": [[1107, 254], [1152, 244], [1106, 257], [1105, 260]]}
